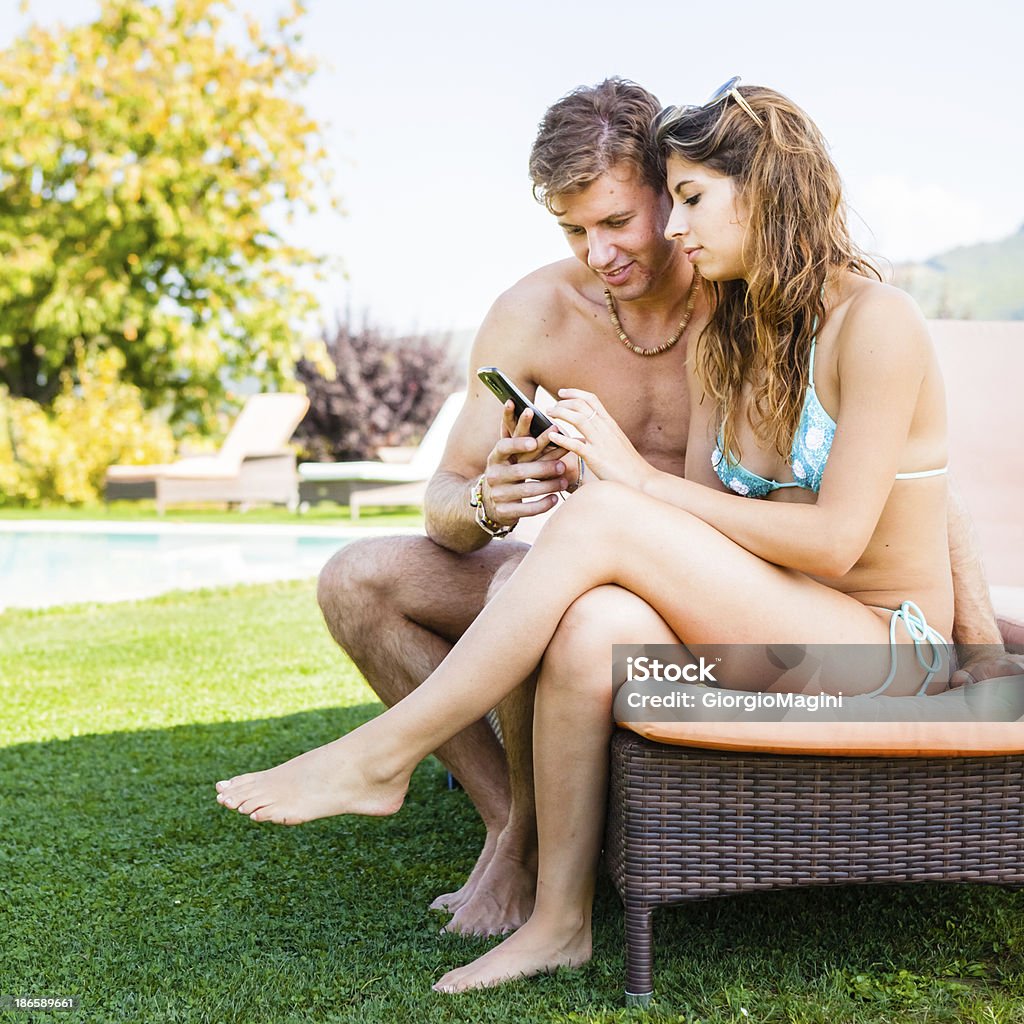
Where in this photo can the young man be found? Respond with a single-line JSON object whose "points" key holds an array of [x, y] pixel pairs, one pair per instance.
{"points": [[615, 319]]}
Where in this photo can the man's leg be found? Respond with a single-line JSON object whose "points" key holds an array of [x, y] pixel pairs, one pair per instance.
{"points": [[396, 605], [503, 897]]}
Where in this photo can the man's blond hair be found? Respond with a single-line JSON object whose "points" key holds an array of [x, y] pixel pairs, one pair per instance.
{"points": [[588, 132]]}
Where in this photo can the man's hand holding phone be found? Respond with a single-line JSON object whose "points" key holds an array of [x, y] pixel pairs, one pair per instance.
{"points": [[524, 474], [525, 471]]}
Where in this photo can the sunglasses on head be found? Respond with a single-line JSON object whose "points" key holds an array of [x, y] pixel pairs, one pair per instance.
{"points": [[724, 92]]}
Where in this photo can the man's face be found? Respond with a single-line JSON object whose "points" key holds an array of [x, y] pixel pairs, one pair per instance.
{"points": [[616, 226]]}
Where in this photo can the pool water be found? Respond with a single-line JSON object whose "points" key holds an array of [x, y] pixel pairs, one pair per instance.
{"points": [[65, 564]]}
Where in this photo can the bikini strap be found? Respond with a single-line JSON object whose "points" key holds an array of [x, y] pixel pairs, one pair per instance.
{"points": [[921, 633], [814, 341]]}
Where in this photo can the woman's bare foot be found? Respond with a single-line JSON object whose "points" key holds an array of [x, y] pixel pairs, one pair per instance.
{"points": [[535, 949], [332, 779]]}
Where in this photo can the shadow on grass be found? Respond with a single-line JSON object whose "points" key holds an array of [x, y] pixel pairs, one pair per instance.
{"points": [[123, 882]]}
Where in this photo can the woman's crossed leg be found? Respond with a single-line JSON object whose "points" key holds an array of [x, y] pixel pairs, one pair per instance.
{"points": [[572, 729], [707, 589]]}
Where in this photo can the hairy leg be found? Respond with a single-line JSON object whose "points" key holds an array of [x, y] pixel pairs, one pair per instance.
{"points": [[572, 729], [396, 605], [500, 894], [509, 637]]}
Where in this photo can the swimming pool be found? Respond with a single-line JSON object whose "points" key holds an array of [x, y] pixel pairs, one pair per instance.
{"points": [[44, 563]]}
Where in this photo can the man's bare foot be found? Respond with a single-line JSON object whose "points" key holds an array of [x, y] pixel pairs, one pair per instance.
{"points": [[504, 897], [332, 779], [452, 901], [534, 949]]}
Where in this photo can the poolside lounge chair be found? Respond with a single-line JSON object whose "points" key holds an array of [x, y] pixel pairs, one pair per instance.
{"points": [[707, 809], [394, 495], [252, 466], [338, 481]]}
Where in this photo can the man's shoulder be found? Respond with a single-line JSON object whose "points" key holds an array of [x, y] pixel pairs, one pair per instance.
{"points": [[520, 330], [550, 294]]}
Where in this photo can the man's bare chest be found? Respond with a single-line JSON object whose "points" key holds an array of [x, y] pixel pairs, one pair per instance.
{"points": [[646, 396]]}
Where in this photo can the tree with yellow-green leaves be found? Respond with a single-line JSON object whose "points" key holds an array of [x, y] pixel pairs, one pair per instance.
{"points": [[148, 163]]}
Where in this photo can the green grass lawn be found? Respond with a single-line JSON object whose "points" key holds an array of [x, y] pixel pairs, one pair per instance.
{"points": [[123, 882], [322, 514]]}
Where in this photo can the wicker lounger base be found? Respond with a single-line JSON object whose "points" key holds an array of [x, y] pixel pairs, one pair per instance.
{"points": [[688, 824]]}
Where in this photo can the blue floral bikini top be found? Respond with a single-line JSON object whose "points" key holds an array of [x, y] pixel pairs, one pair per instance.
{"points": [[812, 443]]}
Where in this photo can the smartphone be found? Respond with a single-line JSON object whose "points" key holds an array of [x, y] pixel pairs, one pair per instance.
{"points": [[504, 389]]}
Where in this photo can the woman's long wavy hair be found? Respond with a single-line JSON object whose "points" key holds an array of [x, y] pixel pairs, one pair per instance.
{"points": [[760, 330]]}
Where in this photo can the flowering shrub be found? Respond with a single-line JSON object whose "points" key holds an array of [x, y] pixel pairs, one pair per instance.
{"points": [[62, 454], [377, 390]]}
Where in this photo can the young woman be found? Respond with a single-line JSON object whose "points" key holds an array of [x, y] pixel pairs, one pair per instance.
{"points": [[815, 390]]}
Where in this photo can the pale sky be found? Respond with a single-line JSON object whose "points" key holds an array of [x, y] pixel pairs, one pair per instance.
{"points": [[433, 108]]}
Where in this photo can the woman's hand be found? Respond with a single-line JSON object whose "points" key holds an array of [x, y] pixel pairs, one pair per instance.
{"points": [[604, 447], [512, 427]]}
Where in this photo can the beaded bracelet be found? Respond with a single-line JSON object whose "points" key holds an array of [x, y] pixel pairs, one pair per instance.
{"points": [[483, 520]]}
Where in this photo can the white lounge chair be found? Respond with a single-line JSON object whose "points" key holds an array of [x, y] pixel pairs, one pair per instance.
{"points": [[338, 481], [252, 466]]}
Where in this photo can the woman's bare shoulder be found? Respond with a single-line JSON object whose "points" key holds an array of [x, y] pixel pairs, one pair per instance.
{"points": [[880, 321]]}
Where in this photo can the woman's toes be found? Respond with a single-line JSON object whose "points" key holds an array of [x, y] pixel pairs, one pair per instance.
{"points": [[448, 983]]}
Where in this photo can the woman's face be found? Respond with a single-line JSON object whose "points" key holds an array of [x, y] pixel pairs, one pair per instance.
{"points": [[708, 219]]}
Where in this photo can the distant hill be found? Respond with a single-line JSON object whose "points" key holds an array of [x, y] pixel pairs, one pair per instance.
{"points": [[971, 282]]}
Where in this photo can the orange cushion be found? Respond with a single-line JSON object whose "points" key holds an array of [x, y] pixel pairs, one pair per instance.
{"points": [[899, 726], [848, 739]]}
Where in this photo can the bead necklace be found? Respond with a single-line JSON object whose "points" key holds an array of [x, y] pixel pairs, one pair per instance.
{"points": [[691, 298]]}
